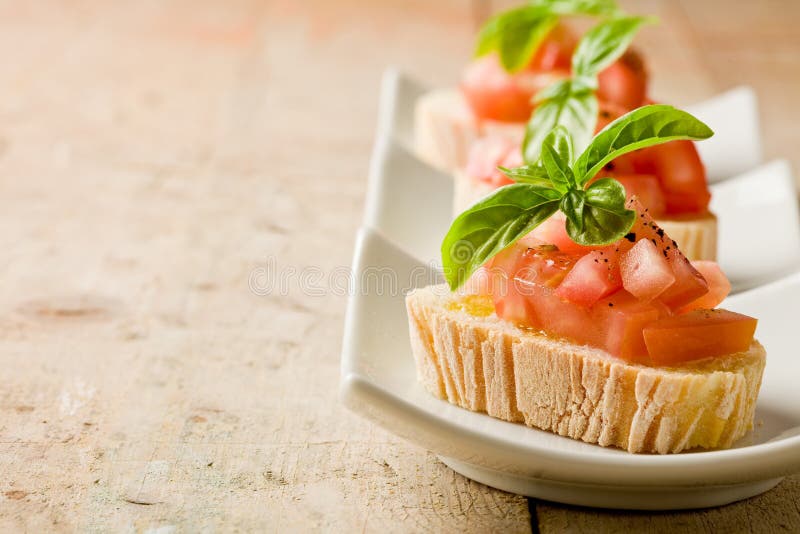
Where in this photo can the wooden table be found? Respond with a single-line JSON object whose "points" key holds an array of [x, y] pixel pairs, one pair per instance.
{"points": [[153, 156]]}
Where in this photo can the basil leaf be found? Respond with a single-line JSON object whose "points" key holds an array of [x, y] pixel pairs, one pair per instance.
{"points": [[604, 216], [582, 7], [491, 225], [517, 33], [528, 174], [643, 127], [557, 158], [521, 35], [604, 44], [567, 102], [572, 206]]}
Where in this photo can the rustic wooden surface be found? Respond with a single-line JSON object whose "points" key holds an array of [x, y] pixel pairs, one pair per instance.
{"points": [[153, 155]]}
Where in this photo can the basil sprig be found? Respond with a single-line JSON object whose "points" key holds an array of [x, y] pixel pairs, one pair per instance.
{"points": [[596, 213], [571, 102], [517, 33]]}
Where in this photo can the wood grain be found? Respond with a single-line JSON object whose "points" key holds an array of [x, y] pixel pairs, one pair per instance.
{"points": [[154, 157]]}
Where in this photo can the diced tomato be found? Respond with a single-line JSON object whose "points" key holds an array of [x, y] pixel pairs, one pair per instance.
{"points": [[718, 286], [681, 174], [486, 153], [621, 318], [494, 94], [624, 82], [554, 232], [625, 305], [677, 166], [593, 277], [645, 271], [480, 283], [698, 334], [555, 52], [519, 270], [608, 112], [645, 187], [689, 284], [532, 298]]}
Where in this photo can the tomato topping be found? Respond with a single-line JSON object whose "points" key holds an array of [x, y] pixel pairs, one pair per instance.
{"points": [[486, 154], [553, 231], [681, 173], [533, 298], [645, 272], [645, 187], [593, 277], [494, 94], [624, 82], [698, 334], [555, 52], [621, 318], [689, 284], [718, 286], [676, 165], [635, 299]]}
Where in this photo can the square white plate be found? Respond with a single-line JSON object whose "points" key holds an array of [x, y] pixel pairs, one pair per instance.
{"points": [[407, 212]]}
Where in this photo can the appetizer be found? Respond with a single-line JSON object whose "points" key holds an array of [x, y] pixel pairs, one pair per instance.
{"points": [[607, 334], [519, 52], [669, 179]]}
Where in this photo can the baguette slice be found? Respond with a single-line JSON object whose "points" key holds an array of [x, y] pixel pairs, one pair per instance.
{"points": [[445, 127], [468, 356], [696, 235]]}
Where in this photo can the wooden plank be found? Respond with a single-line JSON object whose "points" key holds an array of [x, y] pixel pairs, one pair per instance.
{"points": [[774, 511], [155, 156]]}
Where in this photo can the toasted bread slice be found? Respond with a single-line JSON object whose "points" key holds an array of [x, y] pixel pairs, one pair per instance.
{"points": [[467, 355], [696, 235], [445, 127]]}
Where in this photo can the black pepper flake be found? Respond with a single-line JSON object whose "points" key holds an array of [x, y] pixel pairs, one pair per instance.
{"points": [[609, 166], [653, 240], [605, 260], [660, 232], [610, 304], [674, 244], [631, 236], [665, 253]]}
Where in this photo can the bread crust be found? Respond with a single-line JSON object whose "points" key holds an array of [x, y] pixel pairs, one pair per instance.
{"points": [[445, 127], [485, 364]]}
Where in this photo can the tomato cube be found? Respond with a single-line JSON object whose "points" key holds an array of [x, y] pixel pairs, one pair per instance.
{"points": [[698, 334]]}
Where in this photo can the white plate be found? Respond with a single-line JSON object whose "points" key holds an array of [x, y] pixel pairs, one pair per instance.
{"points": [[408, 209], [378, 381]]}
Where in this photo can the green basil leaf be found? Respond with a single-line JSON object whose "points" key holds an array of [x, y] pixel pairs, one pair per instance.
{"points": [[528, 174], [605, 218], [582, 7], [521, 35], [569, 103], [491, 225], [557, 158], [643, 127], [604, 44], [572, 206]]}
